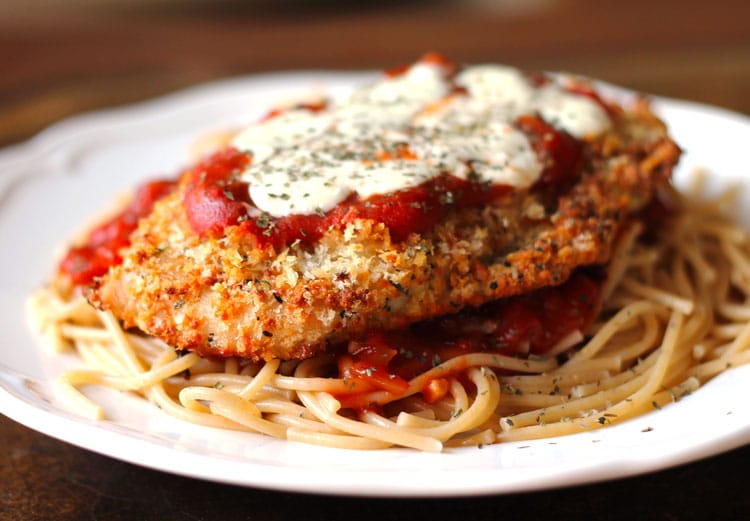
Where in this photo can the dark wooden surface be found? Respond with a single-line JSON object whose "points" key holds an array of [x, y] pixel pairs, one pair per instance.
{"points": [[46, 479], [61, 58]]}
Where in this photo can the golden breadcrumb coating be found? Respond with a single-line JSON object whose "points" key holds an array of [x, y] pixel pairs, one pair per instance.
{"points": [[223, 296]]}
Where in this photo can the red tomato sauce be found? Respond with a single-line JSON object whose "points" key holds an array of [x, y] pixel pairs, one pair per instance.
{"points": [[212, 199], [530, 324], [103, 244], [558, 150], [312, 107], [431, 58]]}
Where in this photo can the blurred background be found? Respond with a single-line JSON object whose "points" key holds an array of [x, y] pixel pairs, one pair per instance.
{"points": [[60, 57]]}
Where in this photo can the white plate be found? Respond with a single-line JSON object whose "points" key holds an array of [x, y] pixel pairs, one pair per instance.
{"points": [[49, 185]]}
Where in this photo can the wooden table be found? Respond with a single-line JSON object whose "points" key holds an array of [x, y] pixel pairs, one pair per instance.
{"points": [[60, 61]]}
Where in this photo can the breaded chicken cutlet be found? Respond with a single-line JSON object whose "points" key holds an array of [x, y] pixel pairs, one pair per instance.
{"points": [[432, 191]]}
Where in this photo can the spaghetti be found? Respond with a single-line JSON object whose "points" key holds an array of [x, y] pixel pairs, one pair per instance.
{"points": [[674, 314]]}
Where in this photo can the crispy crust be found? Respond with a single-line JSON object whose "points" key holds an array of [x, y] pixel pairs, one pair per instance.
{"points": [[223, 296]]}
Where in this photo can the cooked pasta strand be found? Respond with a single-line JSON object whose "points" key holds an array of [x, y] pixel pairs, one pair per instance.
{"points": [[675, 315]]}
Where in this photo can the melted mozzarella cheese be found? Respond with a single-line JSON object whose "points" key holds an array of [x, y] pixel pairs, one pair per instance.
{"points": [[288, 130], [403, 131], [576, 114]]}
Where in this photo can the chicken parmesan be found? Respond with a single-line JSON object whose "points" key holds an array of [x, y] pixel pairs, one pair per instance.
{"points": [[446, 256], [432, 191]]}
